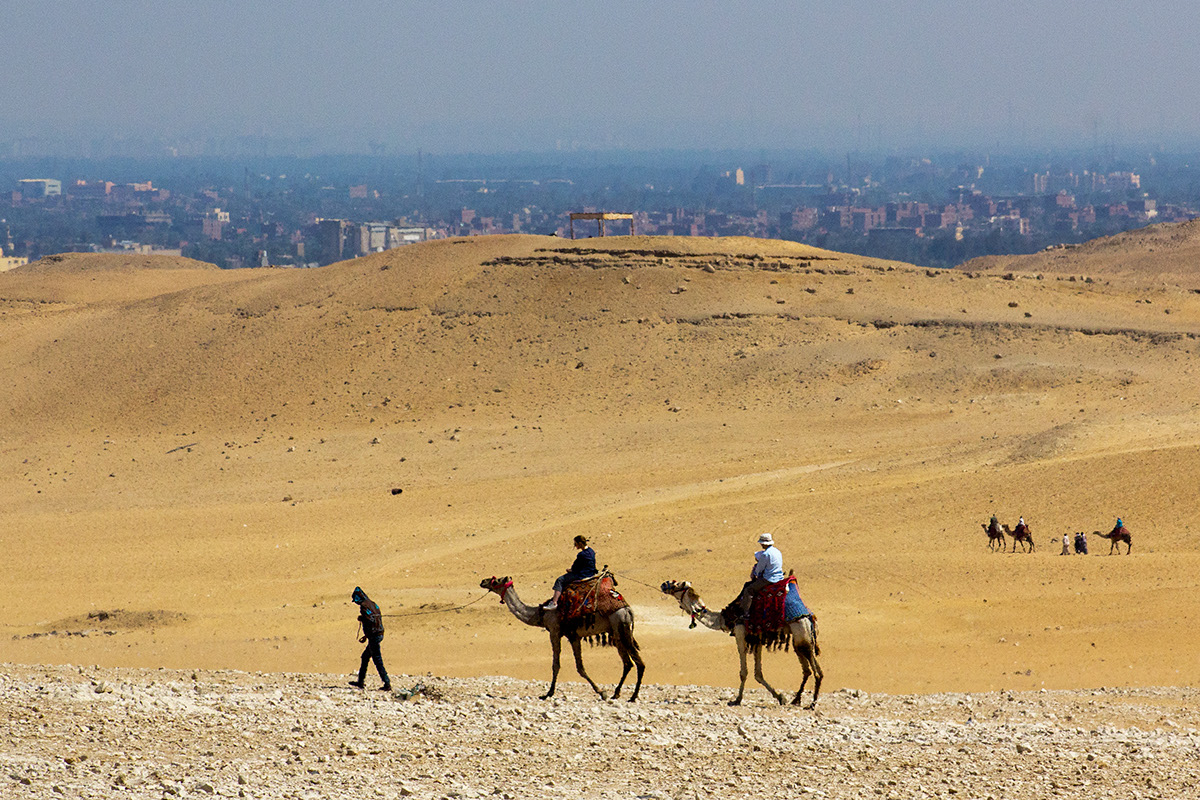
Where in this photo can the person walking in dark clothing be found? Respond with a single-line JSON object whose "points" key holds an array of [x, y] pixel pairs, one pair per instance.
{"points": [[372, 627], [583, 568]]}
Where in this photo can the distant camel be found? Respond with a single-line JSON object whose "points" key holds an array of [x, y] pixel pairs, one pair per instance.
{"points": [[1023, 535], [803, 633], [993, 537], [1117, 536], [616, 627]]}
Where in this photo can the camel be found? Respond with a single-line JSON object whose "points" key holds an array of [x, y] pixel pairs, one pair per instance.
{"points": [[1022, 535], [803, 634], [993, 537], [616, 628], [1117, 536]]}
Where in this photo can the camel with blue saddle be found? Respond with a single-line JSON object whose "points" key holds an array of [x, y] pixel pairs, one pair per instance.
{"points": [[777, 617]]}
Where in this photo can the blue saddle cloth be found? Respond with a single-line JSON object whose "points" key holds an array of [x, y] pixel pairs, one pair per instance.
{"points": [[793, 606]]}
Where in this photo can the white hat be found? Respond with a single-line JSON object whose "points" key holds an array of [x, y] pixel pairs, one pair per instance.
{"points": [[766, 539]]}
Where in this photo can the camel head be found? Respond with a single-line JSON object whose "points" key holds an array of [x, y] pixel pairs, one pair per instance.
{"points": [[497, 585], [682, 591], [674, 587]]}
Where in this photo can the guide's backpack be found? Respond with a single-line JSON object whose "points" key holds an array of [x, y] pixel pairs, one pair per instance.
{"points": [[372, 620]]}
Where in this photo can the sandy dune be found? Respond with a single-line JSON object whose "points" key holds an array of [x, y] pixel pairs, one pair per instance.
{"points": [[209, 458]]}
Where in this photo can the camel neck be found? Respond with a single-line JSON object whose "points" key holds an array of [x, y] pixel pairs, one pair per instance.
{"points": [[530, 615], [707, 618]]}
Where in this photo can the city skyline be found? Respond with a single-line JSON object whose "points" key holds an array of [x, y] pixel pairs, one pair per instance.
{"points": [[506, 77]]}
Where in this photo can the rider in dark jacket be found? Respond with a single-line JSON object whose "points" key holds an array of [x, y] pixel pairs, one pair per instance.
{"points": [[583, 568]]}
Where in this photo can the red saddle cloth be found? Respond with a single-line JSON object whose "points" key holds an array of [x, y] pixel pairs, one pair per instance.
{"points": [[767, 610], [581, 601]]}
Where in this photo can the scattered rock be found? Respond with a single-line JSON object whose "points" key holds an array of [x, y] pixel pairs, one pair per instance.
{"points": [[470, 738]]}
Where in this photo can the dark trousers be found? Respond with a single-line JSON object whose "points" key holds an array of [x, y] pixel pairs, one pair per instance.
{"points": [[749, 589], [372, 654]]}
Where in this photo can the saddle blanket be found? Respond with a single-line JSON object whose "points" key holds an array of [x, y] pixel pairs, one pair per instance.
{"points": [[590, 597], [774, 606], [793, 606]]}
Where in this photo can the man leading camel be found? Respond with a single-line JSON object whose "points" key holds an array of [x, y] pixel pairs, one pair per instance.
{"points": [[768, 569]]}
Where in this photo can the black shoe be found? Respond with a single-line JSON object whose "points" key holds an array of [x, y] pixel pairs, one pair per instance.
{"points": [[387, 687], [356, 684]]}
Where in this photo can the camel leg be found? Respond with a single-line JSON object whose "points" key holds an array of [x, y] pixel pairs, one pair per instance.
{"points": [[758, 675], [641, 668], [802, 643], [577, 649], [556, 650], [740, 636], [626, 665], [627, 648]]}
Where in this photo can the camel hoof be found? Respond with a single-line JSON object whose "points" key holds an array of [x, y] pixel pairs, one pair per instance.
{"points": [[604, 697], [782, 700], [811, 706], [734, 703], [547, 696]]}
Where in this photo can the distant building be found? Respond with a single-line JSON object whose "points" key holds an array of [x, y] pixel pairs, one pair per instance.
{"points": [[1145, 207], [331, 239], [375, 237], [96, 190], [214, 223], [128, 246], [11, 262], [40, 187]]}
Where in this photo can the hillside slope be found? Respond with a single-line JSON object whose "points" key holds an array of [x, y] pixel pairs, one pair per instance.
{"points": [[223, 460], [1166, 252]]}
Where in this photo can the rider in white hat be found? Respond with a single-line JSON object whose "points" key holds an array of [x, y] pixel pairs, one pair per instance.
{"points": [[768, 569]]}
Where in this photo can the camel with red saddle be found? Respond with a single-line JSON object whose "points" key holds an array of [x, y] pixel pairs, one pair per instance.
{"points": [[1115, 537], [1022, 535], [800, 630], [591, 610]]}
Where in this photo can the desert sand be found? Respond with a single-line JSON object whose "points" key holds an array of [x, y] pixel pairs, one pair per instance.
{"points": [[199, 466]]}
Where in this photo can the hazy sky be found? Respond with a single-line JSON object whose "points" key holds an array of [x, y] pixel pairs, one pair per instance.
{"points": [[501, 76]]}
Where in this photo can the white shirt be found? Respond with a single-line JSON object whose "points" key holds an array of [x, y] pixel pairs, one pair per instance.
{"points": [[768, 564]]}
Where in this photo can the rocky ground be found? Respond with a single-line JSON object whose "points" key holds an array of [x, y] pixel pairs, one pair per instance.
{"points": [[88, 732]]}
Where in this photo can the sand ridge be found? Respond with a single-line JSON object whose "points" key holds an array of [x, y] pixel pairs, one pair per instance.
{"points": [[226, 451], [1168, 252]]}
